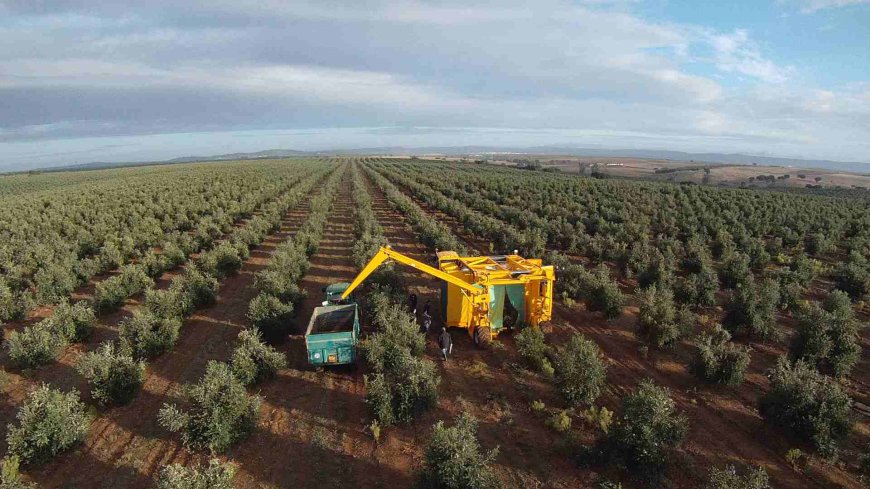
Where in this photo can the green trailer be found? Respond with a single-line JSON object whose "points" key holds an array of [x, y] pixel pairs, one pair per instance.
{"points": [[333, 330]]}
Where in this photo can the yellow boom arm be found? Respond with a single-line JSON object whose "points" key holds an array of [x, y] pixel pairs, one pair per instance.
{"points": [[387, 253]]}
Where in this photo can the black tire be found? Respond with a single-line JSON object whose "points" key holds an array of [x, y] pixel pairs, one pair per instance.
{"points": [[483, 337]]}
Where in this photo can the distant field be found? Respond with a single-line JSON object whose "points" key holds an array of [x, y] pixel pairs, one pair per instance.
{"points": [[700, 172]]}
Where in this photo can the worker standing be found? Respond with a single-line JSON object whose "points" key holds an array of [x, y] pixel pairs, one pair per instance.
{"points": [[412, 302], [426, 323], [445, 343]]}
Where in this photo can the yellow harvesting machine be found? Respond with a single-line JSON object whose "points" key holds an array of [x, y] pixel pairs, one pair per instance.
{"points": [[481, 293]]}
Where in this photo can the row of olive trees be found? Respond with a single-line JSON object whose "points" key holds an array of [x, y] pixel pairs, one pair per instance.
{"points": [[402, 384], [219, 410], [827, 339], [588, 217], [629, 236], [368, 233], [597, 289], [53, 245], [431, 233], [272, 310]]}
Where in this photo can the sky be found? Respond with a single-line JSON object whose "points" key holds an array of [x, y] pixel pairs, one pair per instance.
{"points": [[133, 80]]}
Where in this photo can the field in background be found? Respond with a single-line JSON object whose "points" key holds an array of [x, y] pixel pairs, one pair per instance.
{"points": [[696, 172]]}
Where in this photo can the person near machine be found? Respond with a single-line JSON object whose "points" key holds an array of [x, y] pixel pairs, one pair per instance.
{"points": [[426, 322], [412, 303], [445, 343]]}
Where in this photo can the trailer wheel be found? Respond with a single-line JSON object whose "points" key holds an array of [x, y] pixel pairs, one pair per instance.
{"points": [[483, 337]]}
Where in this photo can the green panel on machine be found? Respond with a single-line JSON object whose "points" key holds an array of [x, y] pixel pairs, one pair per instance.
{"points": [[496, 307]]}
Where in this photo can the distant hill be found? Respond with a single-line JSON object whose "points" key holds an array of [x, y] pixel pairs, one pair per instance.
{"points": [[486, 151], [259, 155], [269, 153]]}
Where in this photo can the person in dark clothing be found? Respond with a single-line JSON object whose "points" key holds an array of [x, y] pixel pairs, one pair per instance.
{"points": [[412, 303], [445, 343], [427, 308], [426, 323]]}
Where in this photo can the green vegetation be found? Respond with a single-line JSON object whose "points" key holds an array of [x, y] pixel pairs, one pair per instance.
{"points": [[659, 321], [533, 348], [49, 422], [580, 371], [34, 345], [114, 376], [254, 361], [147, 336], [216, 475], [827, 336], [41, 343], [751, 311], [10, 477], [647, 426], [219, 412], [718, 360], [454, 458], [808, 405], [729, 478], [402, 384]]}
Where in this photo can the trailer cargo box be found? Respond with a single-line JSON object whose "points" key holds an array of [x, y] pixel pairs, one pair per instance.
{"points": [[332, 335]]}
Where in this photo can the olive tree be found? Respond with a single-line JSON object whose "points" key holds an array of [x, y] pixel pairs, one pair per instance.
{"points": [[730, 478], [49, 422], [216, 475], [660, 322], [254, 361], [218, 411], [647, 426], [454, 458], [717, 360], [580, 371], [808, 405], [114, 375]]}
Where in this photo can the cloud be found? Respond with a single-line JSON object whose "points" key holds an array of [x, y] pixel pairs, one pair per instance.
{"points": [[559, 69], [812, 6], [736, 52]]}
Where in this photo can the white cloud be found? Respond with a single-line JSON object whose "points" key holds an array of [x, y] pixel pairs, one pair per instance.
{"points": [[574, 69], [854, 101], [736, 52], [812, 6], [327, 85]]}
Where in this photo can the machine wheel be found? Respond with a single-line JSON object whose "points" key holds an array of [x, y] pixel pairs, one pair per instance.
{"points": [[483, 337]]}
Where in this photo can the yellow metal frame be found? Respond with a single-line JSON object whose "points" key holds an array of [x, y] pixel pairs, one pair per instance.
{"points": [[468, 285]]}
